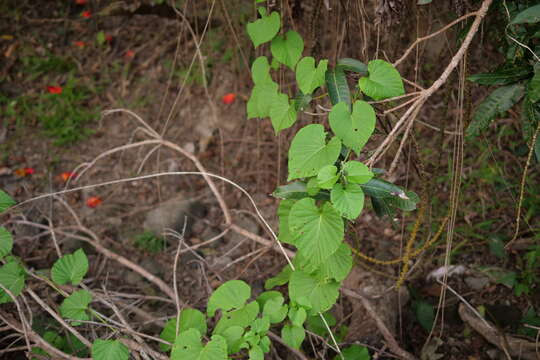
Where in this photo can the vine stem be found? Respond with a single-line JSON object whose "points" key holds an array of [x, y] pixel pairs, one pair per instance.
{"points": [[522, 186], [410, 114]]}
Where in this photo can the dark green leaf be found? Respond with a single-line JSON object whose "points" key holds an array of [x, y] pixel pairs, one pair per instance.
{"points": [[530, 15], [301, 101], [502, 76], [353, 65], [338, 89], [424, 314], [530, 116], [533, 90], [497, 102]]}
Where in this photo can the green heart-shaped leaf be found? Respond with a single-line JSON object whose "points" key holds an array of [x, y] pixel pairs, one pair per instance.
{"points": [[260, 71], [308, 76], [321, 293], [264, 29], [309, 151], [357, 172], [353, 129], [383, 81], [261, 99], [288, 49], [348, 200], [319, 230], [327, 177], [282, 113]]}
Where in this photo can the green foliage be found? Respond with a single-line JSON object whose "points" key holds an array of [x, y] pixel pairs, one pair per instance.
{"points": [[75, 307], [518, 76], [424, 314], [231, 295], [288, 49], [12, 276], [383, 81], [70, 268], [188, 346], [528, 16], [6, 242], [5, 201], [308, 76], [352, 65], [320, 229], [314, 291], [354, 129], [354, 352], [348, 200], [109, 350], [338, 89], [265, 28], [504, 76], [150, 242], [500, 100], [282, 113], [189, 319], [309, 151]]}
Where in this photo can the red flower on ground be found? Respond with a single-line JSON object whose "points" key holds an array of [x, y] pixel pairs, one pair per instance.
{"points": [[228, 98], [24, 172], [86, 14], [108, 38], [93, 201], [65, 176], [57, 90], [80, 44], [129, 53], [81, 2]]}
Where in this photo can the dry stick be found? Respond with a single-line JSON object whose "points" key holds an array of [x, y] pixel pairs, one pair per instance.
{"points": [[422, 98], [522, 187], [427, 37], [108, 253], [25, 327], [391, 341]]}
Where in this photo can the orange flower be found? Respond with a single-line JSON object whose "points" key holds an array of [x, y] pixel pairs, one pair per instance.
{"points": [[228, 98], [80, 2], [65, 176], [86, 14], [57, 90], [93, 201], [80, 44], [24, 172], [129, 54]]}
